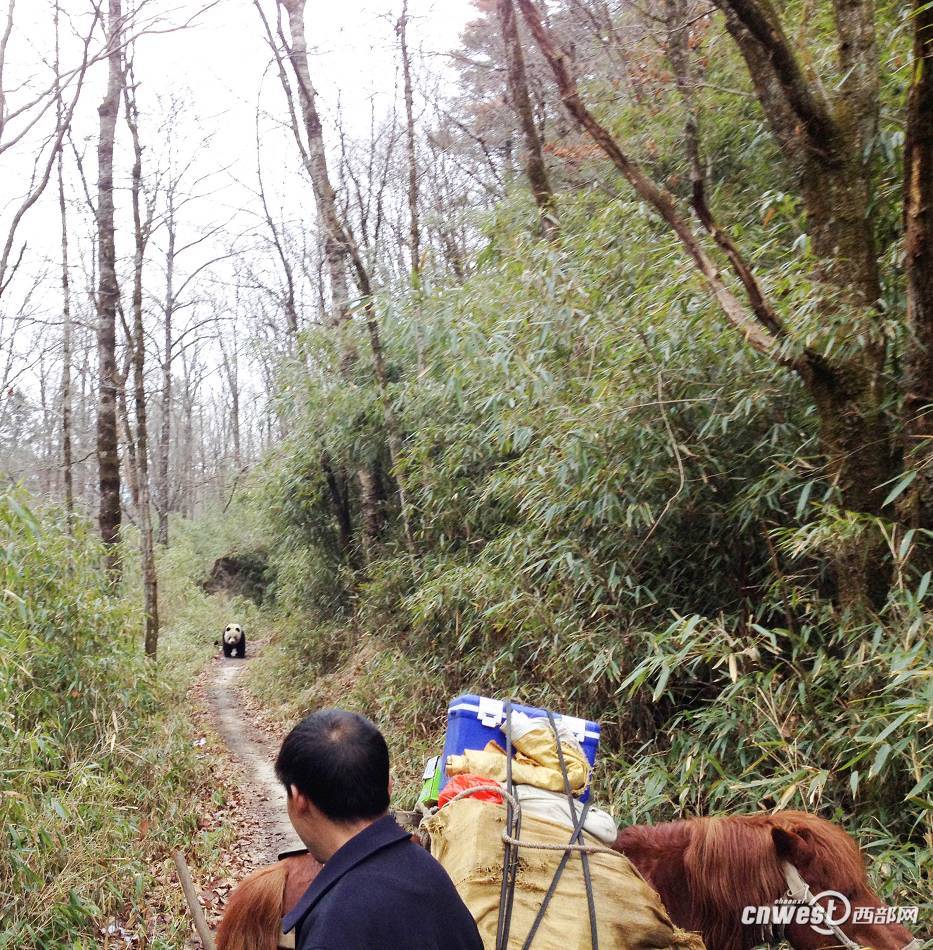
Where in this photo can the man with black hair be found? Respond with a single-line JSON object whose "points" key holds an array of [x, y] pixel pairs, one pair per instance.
{"points": [[378, 890]]}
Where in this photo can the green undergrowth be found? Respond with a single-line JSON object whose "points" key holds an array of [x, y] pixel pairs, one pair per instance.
{"points": [[333, 666], [100, 777]]}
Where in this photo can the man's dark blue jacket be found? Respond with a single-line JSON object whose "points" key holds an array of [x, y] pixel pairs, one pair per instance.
{"points": [[381, 891]]}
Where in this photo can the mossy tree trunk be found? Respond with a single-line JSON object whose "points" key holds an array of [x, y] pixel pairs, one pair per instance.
{"points": [[918, 263], [533, 154], [108, 298]]}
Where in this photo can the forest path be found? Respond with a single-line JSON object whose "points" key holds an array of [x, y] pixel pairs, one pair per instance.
{"points": [[265, 823]]}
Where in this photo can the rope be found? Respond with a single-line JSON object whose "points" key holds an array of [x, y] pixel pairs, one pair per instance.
{"points": [[585, 861], [510, 851], [513, 842], [552, 887], [579, 848]]}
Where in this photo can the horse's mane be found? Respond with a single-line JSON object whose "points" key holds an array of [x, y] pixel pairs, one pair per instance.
{"points": [[253, 917], [732, 863]]}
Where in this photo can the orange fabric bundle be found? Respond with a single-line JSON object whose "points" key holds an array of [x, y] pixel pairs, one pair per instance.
{"points": [[460, 783]]}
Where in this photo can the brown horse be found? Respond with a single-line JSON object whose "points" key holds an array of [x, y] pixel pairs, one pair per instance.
{"points": [[705, 869]]}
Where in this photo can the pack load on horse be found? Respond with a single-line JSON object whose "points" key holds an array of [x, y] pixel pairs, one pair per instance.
{"points": [[534, 863], [538, 865]]}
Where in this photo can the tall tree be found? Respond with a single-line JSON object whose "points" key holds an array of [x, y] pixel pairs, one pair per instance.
{"points": [[918, 263], [517, 82], [177, 190], [414, 223], [230, 361], [66, 423], [335, 239], [142, 229], [163, 491], [828, 143], [414, 219], [108, 298], [340, 252]]}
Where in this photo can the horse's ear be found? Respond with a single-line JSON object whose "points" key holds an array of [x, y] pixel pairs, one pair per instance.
{"points": [[791, 846]]}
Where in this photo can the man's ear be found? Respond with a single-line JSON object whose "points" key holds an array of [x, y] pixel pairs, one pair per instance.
{"points": [[390, 787], [793, 846], [299, 801]]}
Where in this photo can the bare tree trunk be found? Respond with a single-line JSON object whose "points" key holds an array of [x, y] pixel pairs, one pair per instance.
{"points": [[235, 425], [918, 234], [165, 429], [108, 294], [414, 221], [44, 448], [183, 498], [67, 460], [123, 415], [230, 360], [141, 230], [521, 103], [190, 506], [186, 485], [336, 244], [84, 489]]}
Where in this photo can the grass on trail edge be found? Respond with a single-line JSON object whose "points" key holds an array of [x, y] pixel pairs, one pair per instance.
{"points": [[105, 872]]}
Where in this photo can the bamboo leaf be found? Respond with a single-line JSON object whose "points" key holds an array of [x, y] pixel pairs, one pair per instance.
{"points": [[880, 758], [903, 483]]}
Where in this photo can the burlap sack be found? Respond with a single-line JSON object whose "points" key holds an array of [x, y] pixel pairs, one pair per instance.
{"points": [[466, 837]]}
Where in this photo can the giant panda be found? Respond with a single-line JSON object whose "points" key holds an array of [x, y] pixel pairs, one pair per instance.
{"points": [[234, 640]]}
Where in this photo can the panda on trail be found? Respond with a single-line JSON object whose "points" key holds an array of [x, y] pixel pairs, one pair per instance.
{"points": [[234, 640]]}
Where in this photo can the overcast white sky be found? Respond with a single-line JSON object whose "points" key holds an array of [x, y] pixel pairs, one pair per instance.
{"points": [[221, 60], [216, 66], [215, 69]]}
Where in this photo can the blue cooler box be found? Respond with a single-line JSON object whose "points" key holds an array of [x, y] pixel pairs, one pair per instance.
{"points": [[472, 721]]}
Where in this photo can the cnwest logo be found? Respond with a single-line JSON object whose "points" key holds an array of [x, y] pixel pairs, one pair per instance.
{"points": [[829, 909]]}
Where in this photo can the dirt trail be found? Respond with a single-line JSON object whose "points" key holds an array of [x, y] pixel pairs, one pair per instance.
{"points": [[264, 795]]}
